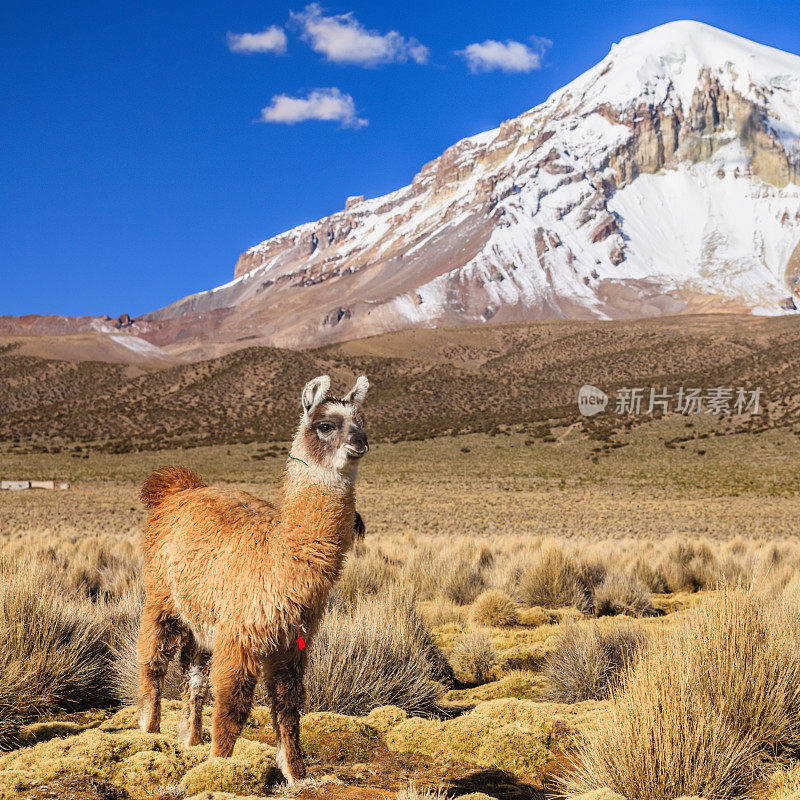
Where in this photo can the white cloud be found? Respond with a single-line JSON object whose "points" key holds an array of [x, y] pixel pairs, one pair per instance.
{"points": [[508, 56], [342, 39], [271, 40], [330, 105]]}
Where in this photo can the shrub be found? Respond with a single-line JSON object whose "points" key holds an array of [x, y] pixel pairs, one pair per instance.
{"points": [[53, 652], [494, 607], [553, 580], [620, 595], [377, 653], [708, 711], [473, 657], [587, 662]]}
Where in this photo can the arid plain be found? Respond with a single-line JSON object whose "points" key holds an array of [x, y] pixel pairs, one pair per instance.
{"points": [[547, 606]]}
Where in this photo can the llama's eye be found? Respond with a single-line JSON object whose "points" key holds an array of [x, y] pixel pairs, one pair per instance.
{"points": [[325, 427]]}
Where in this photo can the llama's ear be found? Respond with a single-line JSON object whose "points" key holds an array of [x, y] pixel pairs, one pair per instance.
{"points": [[314, 393], [357, 394]]}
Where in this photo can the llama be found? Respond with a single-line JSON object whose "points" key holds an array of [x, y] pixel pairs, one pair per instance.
{"points": [[238, 586]]}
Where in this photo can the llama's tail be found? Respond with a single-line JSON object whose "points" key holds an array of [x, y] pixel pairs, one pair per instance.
{"points": [[165, 481]]}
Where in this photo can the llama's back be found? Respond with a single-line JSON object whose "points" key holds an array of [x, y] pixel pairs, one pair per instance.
{"points": [[187, 514], [201, 541]]}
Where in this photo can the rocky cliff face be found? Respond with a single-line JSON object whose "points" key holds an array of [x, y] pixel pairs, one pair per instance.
{"points": [[665, 179]]}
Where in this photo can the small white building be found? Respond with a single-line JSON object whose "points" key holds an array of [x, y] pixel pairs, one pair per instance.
{"points": [[16, 486]]}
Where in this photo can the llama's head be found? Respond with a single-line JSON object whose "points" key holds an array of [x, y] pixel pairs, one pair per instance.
{"points": [[331, 435]]}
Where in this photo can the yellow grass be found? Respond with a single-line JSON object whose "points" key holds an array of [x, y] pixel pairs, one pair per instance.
{"points": [[709, 709], [496, 558]]}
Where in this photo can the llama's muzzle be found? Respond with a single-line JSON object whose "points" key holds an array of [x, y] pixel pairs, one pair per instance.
{"points": [[357, 443]]}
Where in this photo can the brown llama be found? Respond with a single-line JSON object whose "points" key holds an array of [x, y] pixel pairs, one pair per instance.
{"points": [[239, 585]]}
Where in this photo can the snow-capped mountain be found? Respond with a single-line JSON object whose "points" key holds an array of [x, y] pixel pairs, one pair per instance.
{"points": [[666, 179]]}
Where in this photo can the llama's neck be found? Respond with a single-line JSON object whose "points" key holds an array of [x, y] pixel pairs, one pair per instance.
{"points": [[317, 517]]}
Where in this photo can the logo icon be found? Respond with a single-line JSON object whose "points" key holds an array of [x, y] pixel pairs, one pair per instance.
{"points": [[591, 400]]}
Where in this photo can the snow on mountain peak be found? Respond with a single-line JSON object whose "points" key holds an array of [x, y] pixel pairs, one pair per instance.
{"points": [[666, 64], [664, 179]]}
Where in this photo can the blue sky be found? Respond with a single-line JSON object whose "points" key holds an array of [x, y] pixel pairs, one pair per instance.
{"points": [[144, 145]]}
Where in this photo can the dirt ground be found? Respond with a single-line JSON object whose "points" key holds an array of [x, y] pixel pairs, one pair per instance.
{"points": [[646, 484]]}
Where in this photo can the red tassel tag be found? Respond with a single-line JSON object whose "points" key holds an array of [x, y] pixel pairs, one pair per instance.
{"points": [[301, 642]]}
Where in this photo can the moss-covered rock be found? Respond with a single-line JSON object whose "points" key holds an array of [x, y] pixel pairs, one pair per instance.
{"points": [[44, 731], [128, 718], [384, 718], [144, 763], [515, 735], [521, 684], [476, 796], [327, 722], [132, 758], [535, 616], [337, 738], [250, 770], [527, 656], [516, 748], [138, 771]]}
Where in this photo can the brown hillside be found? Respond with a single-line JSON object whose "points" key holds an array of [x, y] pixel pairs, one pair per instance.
{"points": [[426, 382]]}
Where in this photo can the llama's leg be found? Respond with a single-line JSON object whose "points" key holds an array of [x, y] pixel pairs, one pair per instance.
{"points": [[234, 675], [194, 691], [287, 695], [159, 637]]}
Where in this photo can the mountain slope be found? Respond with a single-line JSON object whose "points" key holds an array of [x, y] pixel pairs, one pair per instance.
{"points": [[425, 383], [664, 180]]}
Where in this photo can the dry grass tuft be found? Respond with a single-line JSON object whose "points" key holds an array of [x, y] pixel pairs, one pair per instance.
{"points": [[463, 583], [588, 662], [366, 572], [456, 572], [554, 579], [617, 594], [473, 658], [708, 711], [53, 654], [377, 653], [123, 673], [411, 792], [495, 608], [442, 612]]}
